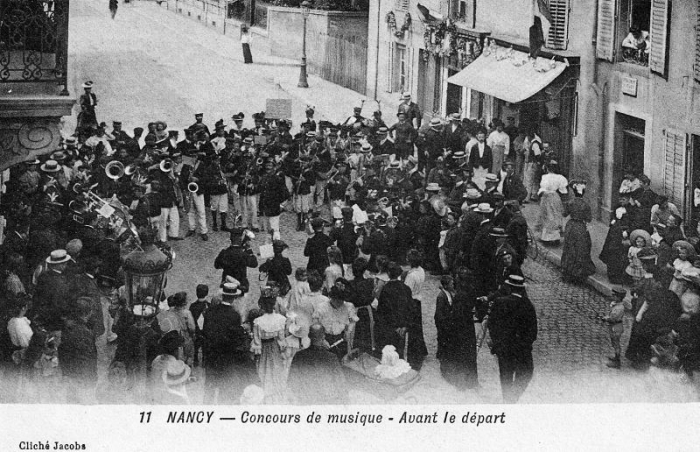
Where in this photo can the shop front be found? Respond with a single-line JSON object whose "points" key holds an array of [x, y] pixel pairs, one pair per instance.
{"points": [[537, 95]]}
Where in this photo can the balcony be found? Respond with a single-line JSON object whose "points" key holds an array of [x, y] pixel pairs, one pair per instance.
{"points": [[34, 43]]}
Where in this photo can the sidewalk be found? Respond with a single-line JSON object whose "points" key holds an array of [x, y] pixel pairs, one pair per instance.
{"points": [[598, 231]]}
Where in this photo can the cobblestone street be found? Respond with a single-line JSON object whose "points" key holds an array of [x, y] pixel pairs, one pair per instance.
{"points": [[151, 64]]}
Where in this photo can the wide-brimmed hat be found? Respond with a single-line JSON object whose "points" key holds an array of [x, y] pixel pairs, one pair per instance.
{"points": [[366, 147], [36, 161], [640, 233], [498, 232], [454, 117], [405, 95], [395, 164], [298, 324], [59, 156], [484, 207], [435, 122], [238, 117], [491, 178], [684, 245], [58, 257], [440, 207], [472, 193], [459, 155], [231, 287], [88, 84], [176, 372], [433, 186], [279, 245], [50, 166], [516, 281], [382, 131]]}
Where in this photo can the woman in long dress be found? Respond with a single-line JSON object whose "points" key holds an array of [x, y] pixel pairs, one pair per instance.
{"points": [[576, 259], [552, 186], [454, 313], [614, 252], [269, 332], [246, 39]]}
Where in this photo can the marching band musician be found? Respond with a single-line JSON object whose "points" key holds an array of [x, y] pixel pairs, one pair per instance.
{"points": [[198, 124], [385, 145], [337, 186], [303, 179], [196, 215], [187, 147], [273, 192], [215, 184], [309, 122], [404, 136], [354, 121], [323, 166], [248, 189], [170, 204], [219, 140]]}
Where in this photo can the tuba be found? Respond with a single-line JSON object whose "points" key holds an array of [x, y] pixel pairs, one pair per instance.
{"points": [[114, 169]]}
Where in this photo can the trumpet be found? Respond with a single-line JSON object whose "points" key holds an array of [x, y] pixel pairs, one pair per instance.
{"points": [[130, 169], [260, 161], [114, 169]]}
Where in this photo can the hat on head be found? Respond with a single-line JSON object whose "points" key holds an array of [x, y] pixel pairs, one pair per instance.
{"points": [[319, 138], [484, 207], [71, 141], [59, 156], [74, 247], [406, 95], [455, 117], [116, 123], [491, 178], [472, 193], [199, 115], [640, 233], [382, 131], [435, 122], [459, 155], [433, 186], [176, 372], [516, 281], [88, 84], [238, 117], [231, 288], [366, 147], [310, 134], [498, 196], [498, 232], [219, 124], [36, 161], [58, 257], [50, 166], [395, 164], [357, 109], [279, 245]]}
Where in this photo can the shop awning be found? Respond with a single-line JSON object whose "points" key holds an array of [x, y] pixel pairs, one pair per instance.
{"points": [[508, 74]]}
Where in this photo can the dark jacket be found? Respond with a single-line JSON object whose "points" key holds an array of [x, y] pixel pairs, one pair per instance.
{"points": [[278, 270], [235, 261], [51, 297], [273, 192], [485, 161], [512, 326], [225, 340], [77, 352], [346, 239], [315, 250]]}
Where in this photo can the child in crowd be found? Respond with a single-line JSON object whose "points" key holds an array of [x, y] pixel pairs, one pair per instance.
{"points": [[310, 302], [300, 289], [278, 268], [615, 326], [685, 255], [638, 239], [197, 309]]}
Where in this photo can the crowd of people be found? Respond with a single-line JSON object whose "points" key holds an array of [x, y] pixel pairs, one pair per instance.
{"points": [[443, 199]]}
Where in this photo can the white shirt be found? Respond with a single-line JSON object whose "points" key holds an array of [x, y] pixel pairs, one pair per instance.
{"points": [[246, 38], [552, 183], [94, 140], [20, 331], [414, 280], [499, 139]]}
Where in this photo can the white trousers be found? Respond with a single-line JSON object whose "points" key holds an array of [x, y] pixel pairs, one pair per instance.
{"points": [[197, 214], [219, 203], [249, 207], [173, 230], [272, 225]]}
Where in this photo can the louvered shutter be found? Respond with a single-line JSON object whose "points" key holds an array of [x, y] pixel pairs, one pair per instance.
{"points": [[401, 5], [659, 36], [674, 167], [605, 41], [697, 45], [389, 67], [558, 37]]}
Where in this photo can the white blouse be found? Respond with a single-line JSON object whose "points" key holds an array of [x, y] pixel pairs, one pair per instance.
{"points": [[552, 183]]}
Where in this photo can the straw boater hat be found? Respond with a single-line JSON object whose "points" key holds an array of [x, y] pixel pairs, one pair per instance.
{"points": [[433, 186], [231, 288], [435, 123], [58, 257], [177, 372], [51, 166], [491, 178], [36, 161], [406, 95], [472, 193], [484, 207], [382, 131], [498, 232], [88, 84], [455, 117], [459, 155], [366, 147], [516, 281], [395, 164]]}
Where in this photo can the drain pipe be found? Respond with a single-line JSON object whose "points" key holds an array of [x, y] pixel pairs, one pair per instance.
{"points": [[600, 101], [376, 63]]}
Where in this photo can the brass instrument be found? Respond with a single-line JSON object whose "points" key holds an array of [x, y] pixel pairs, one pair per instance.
{"points": [[114, 169], [130, 169], [166, 165], [192, 187]]}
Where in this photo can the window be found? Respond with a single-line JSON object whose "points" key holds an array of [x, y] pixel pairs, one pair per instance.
{"points": [[558, 30], [401, 5], [401, 69], [696, 67]]}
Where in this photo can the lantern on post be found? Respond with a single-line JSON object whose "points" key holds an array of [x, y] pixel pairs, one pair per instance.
{"points": [[145, 276]]}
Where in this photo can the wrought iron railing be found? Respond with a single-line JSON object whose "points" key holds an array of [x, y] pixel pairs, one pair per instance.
{"points": [[34, 41]]}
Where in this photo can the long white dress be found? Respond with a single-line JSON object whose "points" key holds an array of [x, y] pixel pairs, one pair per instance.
{"points": [[551, 207]]}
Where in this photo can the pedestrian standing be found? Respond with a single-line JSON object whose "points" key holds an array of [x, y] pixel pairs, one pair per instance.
{"points": [[513, 329], [615, 326], [269, 344], [113, 4], [246, 39]]}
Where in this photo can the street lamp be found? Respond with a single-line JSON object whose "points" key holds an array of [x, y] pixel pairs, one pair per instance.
{"points": [[305, 10]]}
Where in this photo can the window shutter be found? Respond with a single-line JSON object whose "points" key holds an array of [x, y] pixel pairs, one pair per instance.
{"points": [[558, 31], [674, 167], [401, 5], [605, 41], [697, 45], [390, 67], [659, 36]]}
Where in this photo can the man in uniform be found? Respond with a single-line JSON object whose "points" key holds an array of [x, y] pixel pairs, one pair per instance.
{"points": [[273, 192], [432, 145], [248, 189], [385, 145], [411, 109], [404, 136], [121, 138], [198, 124], [513, 329], [237, 259], [196, 214]]}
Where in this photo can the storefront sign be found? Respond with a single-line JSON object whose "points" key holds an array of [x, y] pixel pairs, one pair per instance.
{"points": [[629, 86]]}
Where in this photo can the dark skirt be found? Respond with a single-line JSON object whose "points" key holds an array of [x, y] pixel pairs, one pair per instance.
{"points": [[576, 261], [247, 56], [614, 255]]}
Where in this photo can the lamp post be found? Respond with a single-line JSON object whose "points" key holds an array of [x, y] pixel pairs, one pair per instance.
{"points": [[305, 10]]}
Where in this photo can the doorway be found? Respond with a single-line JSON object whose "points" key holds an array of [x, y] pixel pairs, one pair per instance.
{"points": [[454, 96], [629, 148], [694, 194]]}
